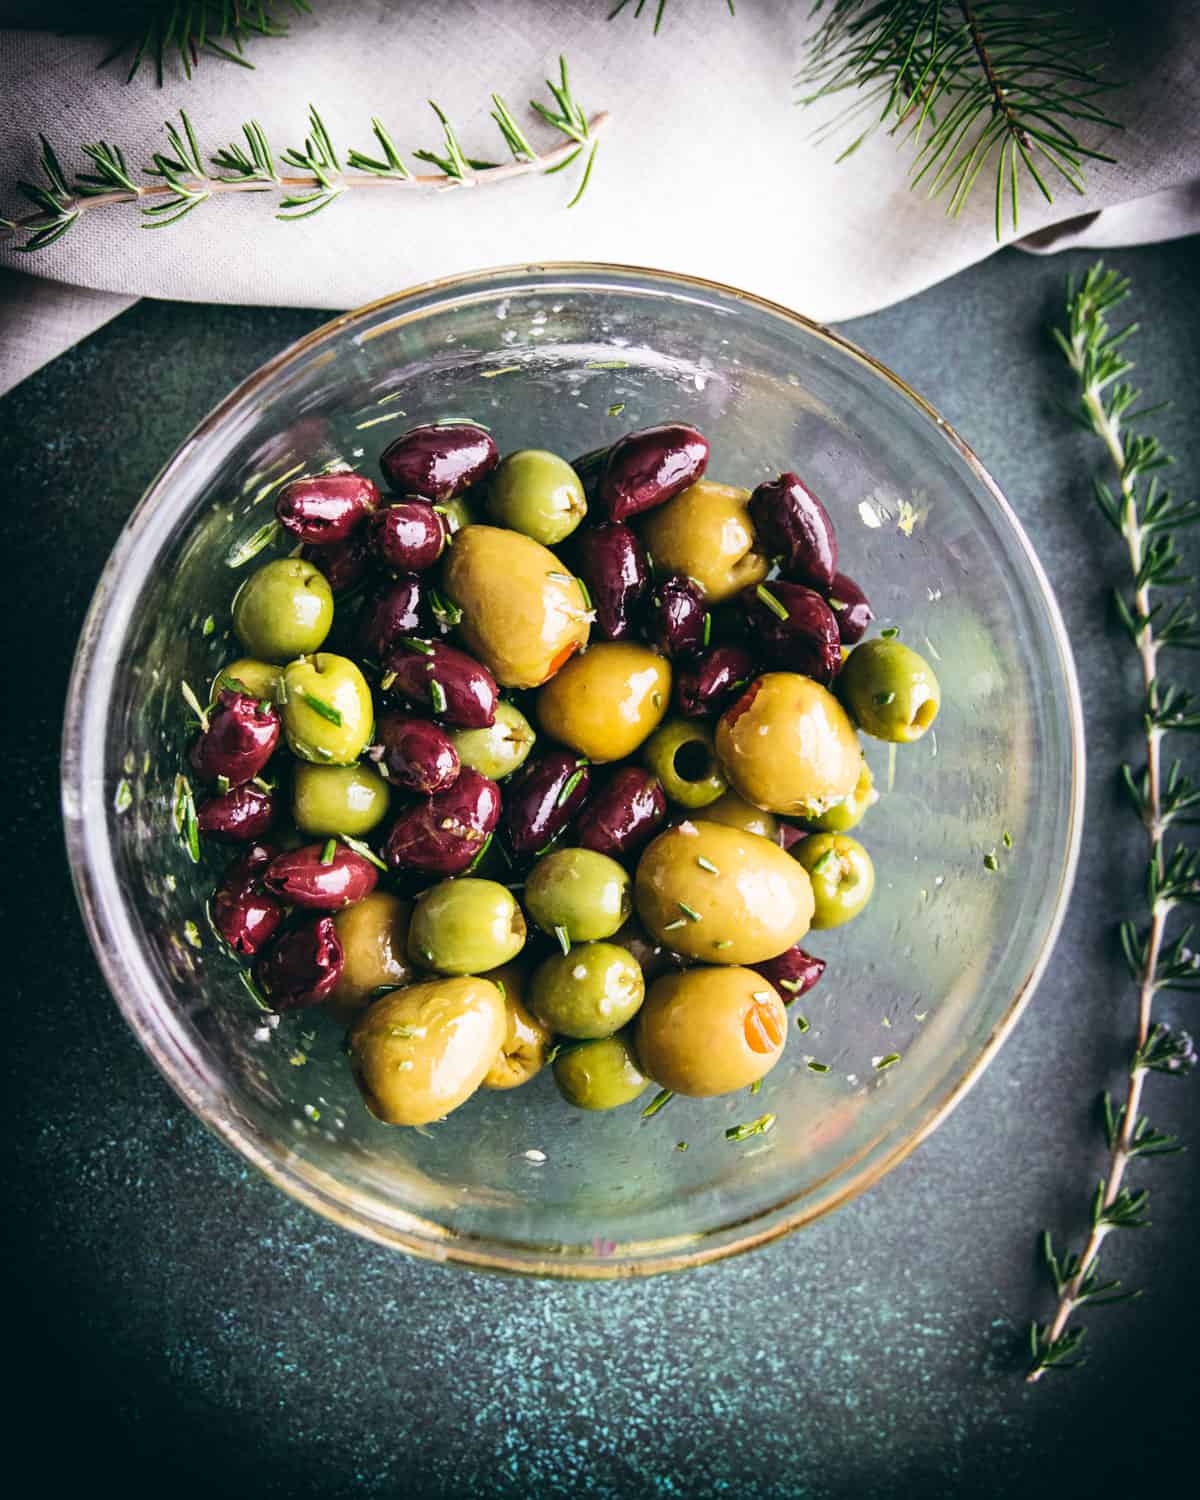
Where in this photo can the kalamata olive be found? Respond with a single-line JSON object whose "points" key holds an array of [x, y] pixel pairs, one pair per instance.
{"points": [[243, 913], [703, 687], [789, 834], [648, 468], [322, 877], [440, 460], [543, 797], [443, 834], [409, 537], [793, 628], [850, 607], [303, 967], [675, 618], [794, 526], [793, 972], [395, 610], [623, 813], [458, 690], [242, 813], [241, 736], [343, 563], [612, 562], [414, 753], [327, 507]]}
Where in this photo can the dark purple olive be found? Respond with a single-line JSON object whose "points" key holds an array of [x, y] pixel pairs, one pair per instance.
{"points": [[243, 913], [451, 683], [395, 610], [648, 468], [704, 686], [851, 609], [543, 797], [612, 562], [439, 461], [328, 507], [623, 813], [444, 834], [241, 736], [343, 563], [793, 972], [794, 526], [409, 537], [242, 813], [676, 616], [789, 835], [414, 753], [792, 627], [325, 876], [303, 967]]}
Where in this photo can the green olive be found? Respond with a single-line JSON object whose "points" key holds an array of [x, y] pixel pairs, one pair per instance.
{"points": [[539, 494], [584, 893], [606, 702], [465, 926], [523, 614], [338, 799], [328, 715], [602, 1074], [526, 1041], [842, 876], [787, 745], [843, 816], [499, 749], [721, 895], [591, 991], [374, 935], [736, 812], [681, 755], [890, 689], [283, 610], [706, 534], [710, 1031], [258, 678], [422, 1051]]}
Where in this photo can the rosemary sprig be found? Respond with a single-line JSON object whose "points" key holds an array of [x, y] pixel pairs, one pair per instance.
{"points": [[1146, 516], [156, 30], [309, 177]]}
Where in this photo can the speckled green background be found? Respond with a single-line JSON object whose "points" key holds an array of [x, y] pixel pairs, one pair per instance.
{"points": [[177, 1327]]}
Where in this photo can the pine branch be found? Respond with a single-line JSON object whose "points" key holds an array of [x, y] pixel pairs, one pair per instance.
{"points": [[157, 30], [181, 181], [965, 84], [1143, 514]]}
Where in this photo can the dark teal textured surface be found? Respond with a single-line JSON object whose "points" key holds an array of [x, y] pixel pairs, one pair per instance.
{"points": [[186, 1329]]}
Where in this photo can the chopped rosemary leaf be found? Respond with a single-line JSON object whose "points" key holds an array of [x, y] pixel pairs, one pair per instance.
{"points": [[890, 633], [184, 813], [990, 862], [707, 864], [223, 785], [607, 364], [707, 627], [422, 648], [827, 859], [671, 926], [801, 1024], [660, 1101], [681, 1145], [689, 912], [773, 603], [364, 851], [561, 577], [329, 851], [194, 704], [563, 938], [499, 983], [444, 610], [583, 589], [756, 1086], [253, 990], [227, 684], [320, 706], [209, 625], [483, 849], [1006, 839], [264, 706], [191, 934], [569, 786], [723, 943], [437, 696], [755, 1127], [616, 408], [794, 985], [253, 545], [387, 681], [818, 1067], [123, 797], [886, 1062]]}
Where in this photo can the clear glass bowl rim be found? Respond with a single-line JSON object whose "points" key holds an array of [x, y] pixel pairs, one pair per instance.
{"points": [[114, 939]]}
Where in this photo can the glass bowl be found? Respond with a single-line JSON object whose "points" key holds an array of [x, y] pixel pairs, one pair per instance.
{"points": [[974, 840]]}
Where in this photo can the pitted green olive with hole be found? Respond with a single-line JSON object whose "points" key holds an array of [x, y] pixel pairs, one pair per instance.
{"points": [[710, 1031], [606, 702], [328, 715], [844, 816], [338, 799], [603, 1074], [523, 613], [526, 1041], [736, 812], [587, 894], [591, 991], [787, 745], [374, 938], [681, 755], [499, 749], [419, 1053], [246, 675], [465, 926], [890, 689], [705, 533], [537, 493], [721, 895], [283, 610], [842, 876]]}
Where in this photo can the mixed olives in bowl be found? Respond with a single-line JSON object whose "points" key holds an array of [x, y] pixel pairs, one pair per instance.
{"points": [[529, 772]]}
